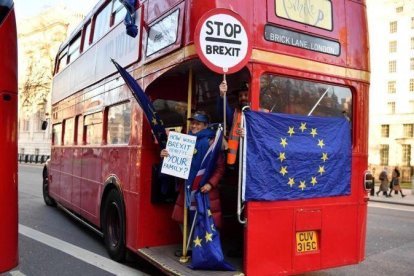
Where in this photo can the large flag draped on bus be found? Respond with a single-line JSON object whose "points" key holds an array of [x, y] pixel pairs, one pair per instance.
{"points": [[129, 21], [207, 253], [291, 157], [155, 121]]}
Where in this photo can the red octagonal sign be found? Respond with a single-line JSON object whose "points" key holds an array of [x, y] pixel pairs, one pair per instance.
{"points": [[222, 41]]}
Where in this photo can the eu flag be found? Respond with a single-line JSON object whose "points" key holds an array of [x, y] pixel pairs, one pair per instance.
{"points": [[207, 253], [155, 121], [290, 157]]}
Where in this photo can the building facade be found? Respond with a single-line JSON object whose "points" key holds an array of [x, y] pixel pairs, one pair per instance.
{"points": [[39, 38], [391, 134]]}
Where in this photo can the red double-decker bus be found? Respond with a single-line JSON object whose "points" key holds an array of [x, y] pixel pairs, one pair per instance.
{"points": [[8, 136], [306, 56]]}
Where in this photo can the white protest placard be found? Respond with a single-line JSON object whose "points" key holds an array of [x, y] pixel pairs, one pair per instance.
{"points": [[180, 148], [222, 41]]}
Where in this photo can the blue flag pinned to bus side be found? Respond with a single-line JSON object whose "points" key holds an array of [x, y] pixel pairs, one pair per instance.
{"points": [[129, 21], [289, 157], [155, 121]]}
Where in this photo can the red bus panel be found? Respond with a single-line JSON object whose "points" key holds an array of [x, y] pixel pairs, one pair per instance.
{"points": [[8, 138]]}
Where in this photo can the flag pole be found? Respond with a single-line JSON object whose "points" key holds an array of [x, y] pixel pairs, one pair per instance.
{"points": [[184, 258]]}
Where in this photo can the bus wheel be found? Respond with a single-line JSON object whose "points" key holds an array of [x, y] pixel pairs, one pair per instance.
{"points": [[113, 224], [46, 197]]}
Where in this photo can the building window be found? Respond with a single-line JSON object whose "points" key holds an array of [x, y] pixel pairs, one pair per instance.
{"points": [[384, 151], [393, 46], [391, 87], [391, 107], [25, 125], [118, 12], [412, 43], [411, 85], [411, 64], [412, 22], [399, 9], [408, 130], [392, 66], [385, 130], [79, 130], [393, 27], [406, 155]]}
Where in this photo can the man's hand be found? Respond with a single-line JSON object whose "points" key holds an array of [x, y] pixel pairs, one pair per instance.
{"points": [[223, 88]]}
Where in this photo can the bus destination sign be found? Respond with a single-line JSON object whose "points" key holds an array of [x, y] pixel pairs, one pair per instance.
{"points": [[300, 40], [222, 41]]}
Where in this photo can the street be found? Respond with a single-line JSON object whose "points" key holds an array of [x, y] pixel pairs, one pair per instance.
{"points": [[52, 243]]}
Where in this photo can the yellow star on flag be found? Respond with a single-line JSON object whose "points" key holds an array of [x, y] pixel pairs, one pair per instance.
{"points": [[324, 156], [291, 131], [283, 142], [197, 242], [209, 236], [282, 156], [209, 212], [313, 132], [303, 127], [302, 185], [313, 181], [320, 143], [321, 169], [154, 121], [291, 181], [283, 170]]}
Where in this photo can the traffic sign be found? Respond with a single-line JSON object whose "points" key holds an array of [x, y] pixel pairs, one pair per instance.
{"points": [[222, 41]]}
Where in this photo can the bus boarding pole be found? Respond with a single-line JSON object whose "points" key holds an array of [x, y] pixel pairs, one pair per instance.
{"points": [[184, 258]]}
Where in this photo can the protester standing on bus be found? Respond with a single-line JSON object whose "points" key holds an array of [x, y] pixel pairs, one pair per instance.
{"points": [[198, 127], [396, 182], [233, 118], [383, 177]]}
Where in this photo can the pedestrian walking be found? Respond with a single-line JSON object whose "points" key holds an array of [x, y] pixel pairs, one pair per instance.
{"points": [[395, 181], [383, 177]]}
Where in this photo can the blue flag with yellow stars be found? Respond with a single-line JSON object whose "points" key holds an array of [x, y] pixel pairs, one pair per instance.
{"points": [[289, 157], [207, 253], [155, 121]]}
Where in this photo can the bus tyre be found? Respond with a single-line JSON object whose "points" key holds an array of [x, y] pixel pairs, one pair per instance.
{"points": [[113, 224], [46, 197]]}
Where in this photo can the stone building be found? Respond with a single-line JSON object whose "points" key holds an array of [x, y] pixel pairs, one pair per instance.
{"points": [[39, 38], [391, 135]]}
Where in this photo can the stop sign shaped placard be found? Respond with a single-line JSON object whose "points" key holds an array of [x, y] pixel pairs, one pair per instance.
{"points": [[222, 41]]}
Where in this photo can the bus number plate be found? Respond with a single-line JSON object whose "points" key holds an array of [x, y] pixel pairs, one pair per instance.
{"points": [[306, 241]]}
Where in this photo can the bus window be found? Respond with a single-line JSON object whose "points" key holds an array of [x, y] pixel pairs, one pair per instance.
{"points": [[74, 47], [68, 131], [57, 134], [163, 33], [119, 123], [93, 129], [118, 12], [62, 60], [294, 96], [79, 130], [102, 23], [86, 36], [172, 113]]}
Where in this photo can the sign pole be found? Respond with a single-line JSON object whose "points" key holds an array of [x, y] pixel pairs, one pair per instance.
{"points": [[224, 107]]}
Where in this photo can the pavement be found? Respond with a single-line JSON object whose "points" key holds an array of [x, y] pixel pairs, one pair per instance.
{"points": [[395, 199]]}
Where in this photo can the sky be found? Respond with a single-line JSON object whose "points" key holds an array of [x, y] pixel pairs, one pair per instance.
{"points": [[28, 8]]}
